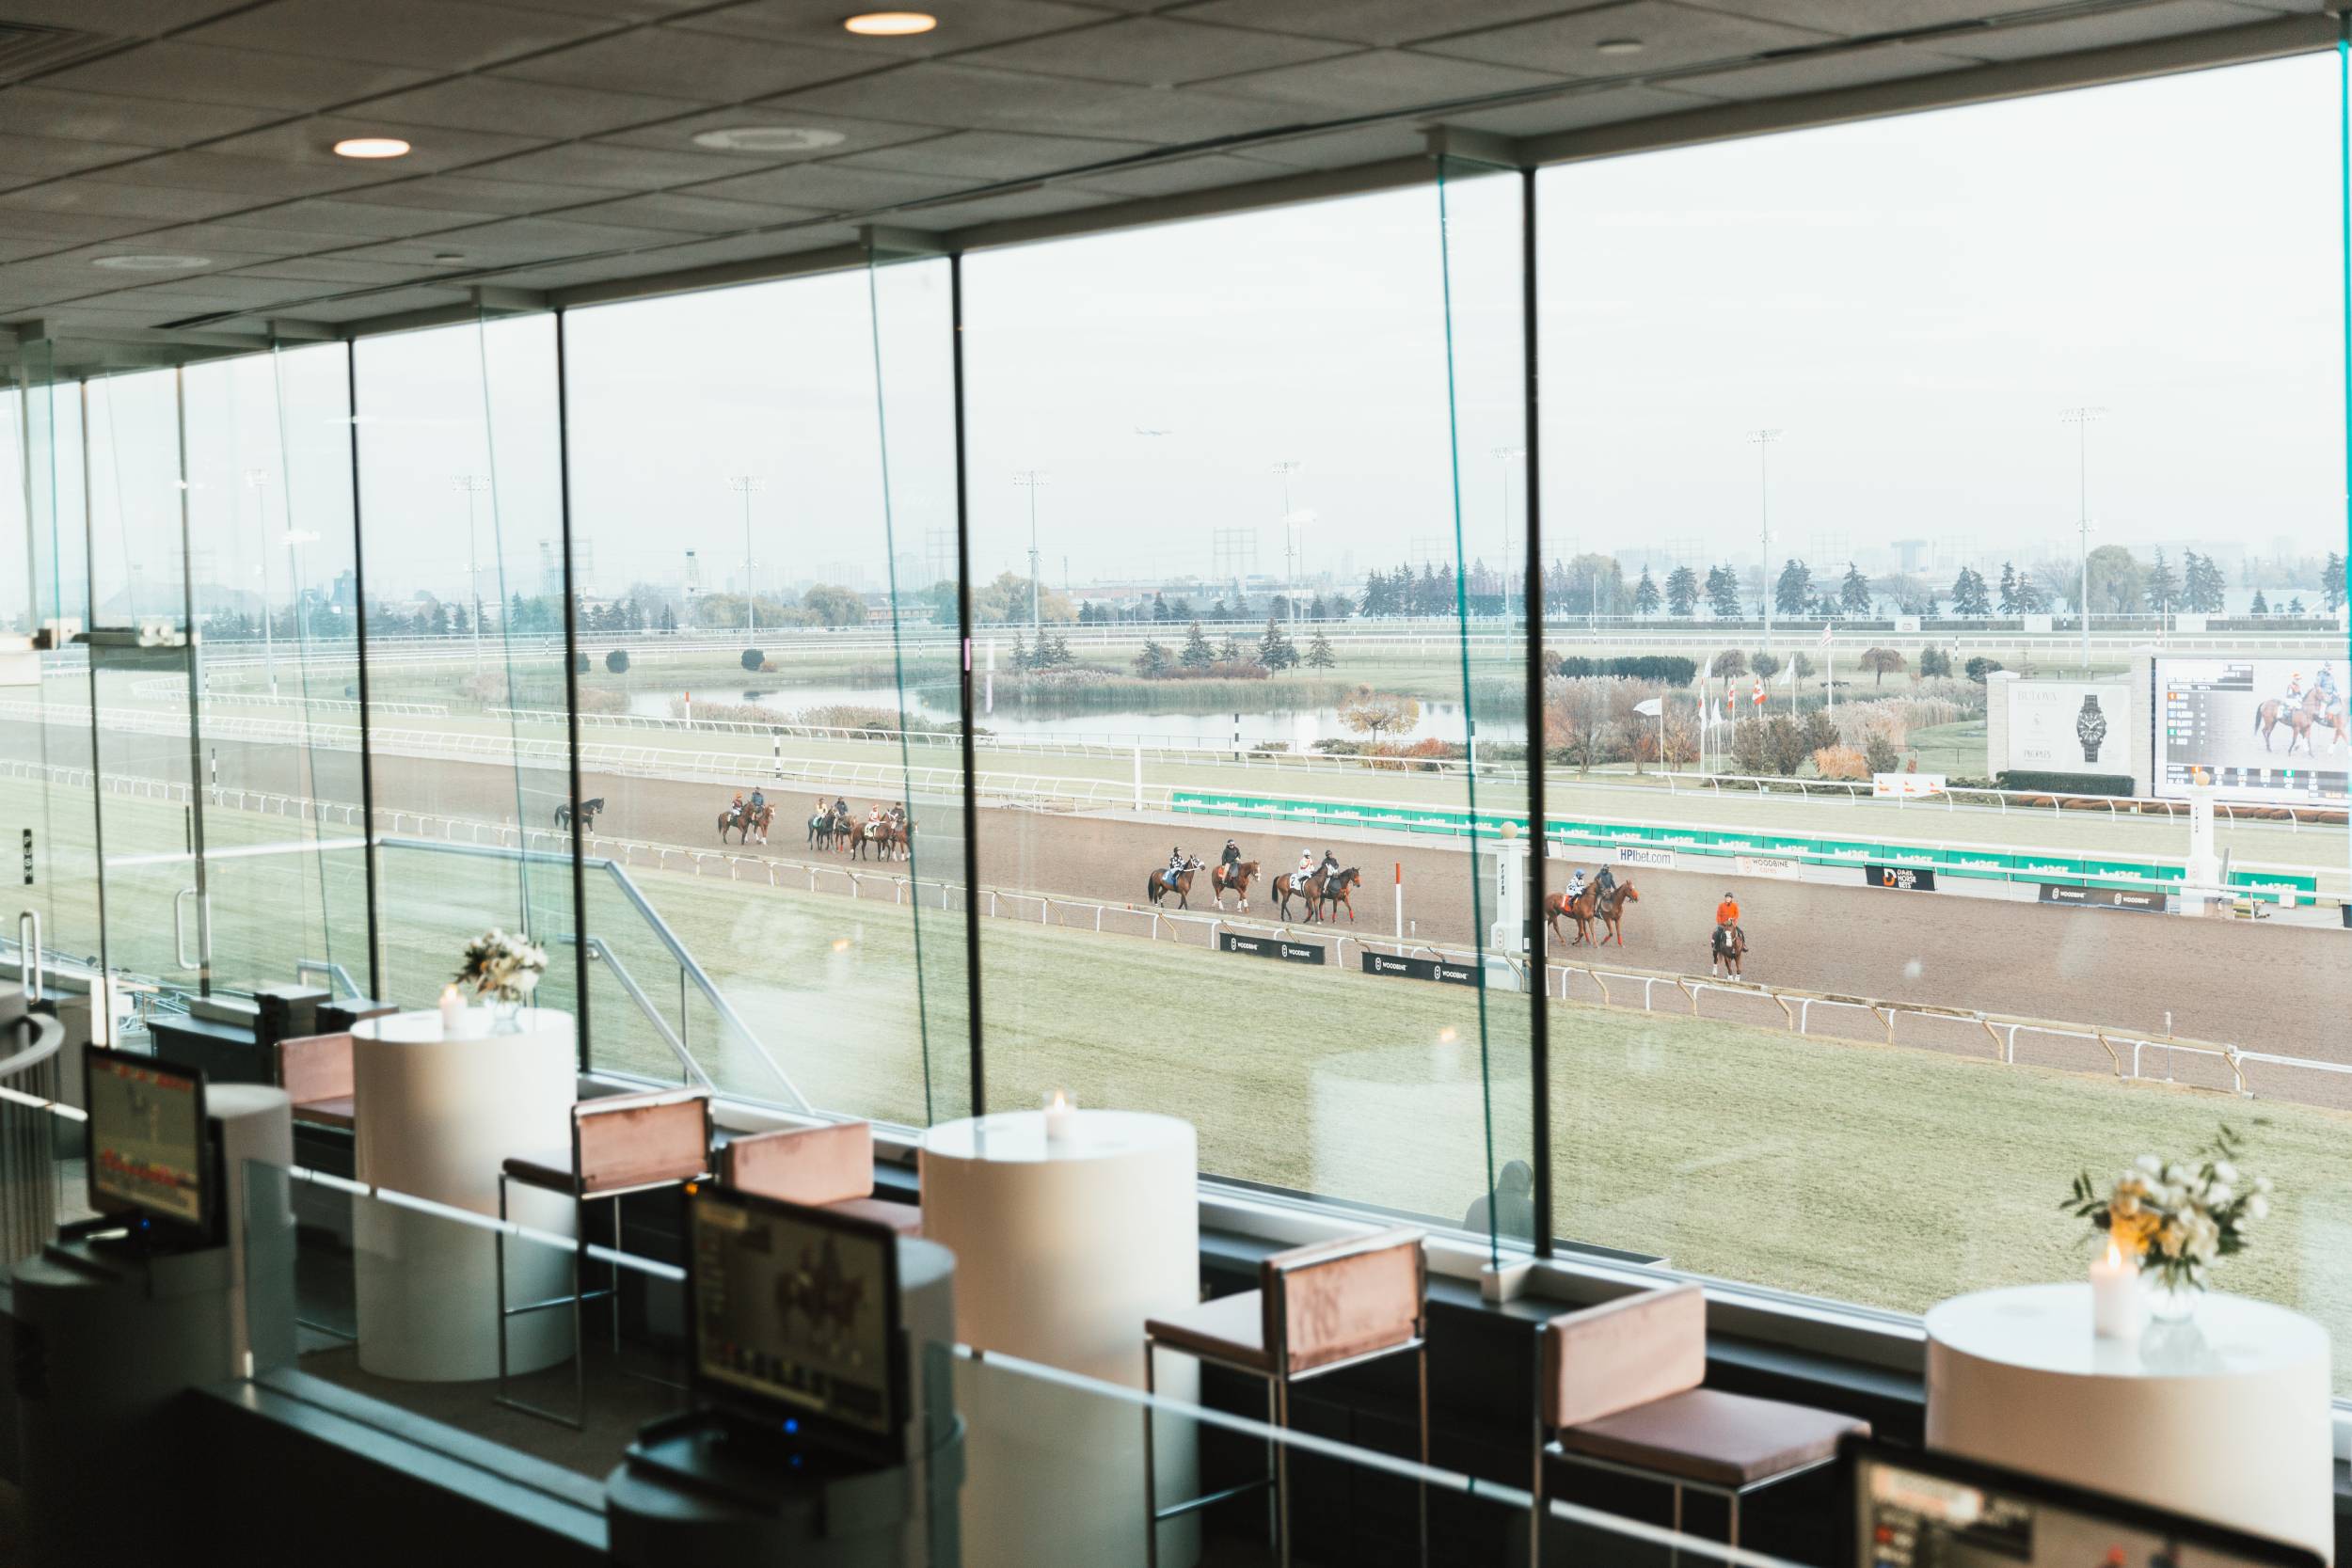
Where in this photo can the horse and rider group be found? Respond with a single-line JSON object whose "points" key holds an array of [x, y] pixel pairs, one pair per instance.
{"points": [[885, 829], [2319, 710], [1596, 904], [1324, 888]]}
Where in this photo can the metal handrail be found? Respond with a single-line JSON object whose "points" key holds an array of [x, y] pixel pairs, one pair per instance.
{"points": [[686, 960], [334, 974], [599, 950]]}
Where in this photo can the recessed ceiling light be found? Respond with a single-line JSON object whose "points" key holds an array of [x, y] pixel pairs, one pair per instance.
{"points": [[1620, 46], [768, 138], [149, 263], [372, 147], [446, 256], [891, 24]]}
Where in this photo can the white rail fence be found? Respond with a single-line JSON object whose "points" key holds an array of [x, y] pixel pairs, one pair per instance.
{"points": [[2013, 1039]]}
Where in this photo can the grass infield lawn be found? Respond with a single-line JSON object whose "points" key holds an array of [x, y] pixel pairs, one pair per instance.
{"points": [[1888, 1176]]}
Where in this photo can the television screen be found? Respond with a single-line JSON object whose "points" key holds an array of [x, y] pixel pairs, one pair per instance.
{"points": [[2274, 731], [796, 1311], [1927, 1511], [147, 1139]]}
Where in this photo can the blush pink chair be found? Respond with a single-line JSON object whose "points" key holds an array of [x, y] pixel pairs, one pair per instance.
{"points": [[830, 1165], [1622, 1390]]}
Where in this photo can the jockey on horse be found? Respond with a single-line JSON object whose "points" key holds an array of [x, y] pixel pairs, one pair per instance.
{"points": [[1728, 938]]}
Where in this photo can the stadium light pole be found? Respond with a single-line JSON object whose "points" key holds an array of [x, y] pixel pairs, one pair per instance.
{"points": [[472, 484], [1506, 456], [1032, 481], [256, 481], [1283, 470], [2080, 417], [1763, 441], [748, 485]]}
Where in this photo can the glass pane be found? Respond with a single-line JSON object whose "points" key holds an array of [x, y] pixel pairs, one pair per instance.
{"points": [[460, 501], [1217, 585], [2052, 527]]}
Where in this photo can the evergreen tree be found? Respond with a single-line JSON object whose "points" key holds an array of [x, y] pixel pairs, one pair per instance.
{"points": [[1723, 594], [1019, 651], [2331, 583], [1794, 589], [1229, 651], [2295, 606], [1198, 654], [1152, 662], [2009, 589], [1317, 610], [2261, 605], [669, 618], [1645, 596], [1159, 607], [1276, 651], [1319, 655], [2160, 587], [1853, 593], [1968, 595], [1682, 592]]}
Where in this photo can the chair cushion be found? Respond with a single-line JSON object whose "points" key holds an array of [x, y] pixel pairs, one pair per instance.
{"points": [[1231, 1328], [904, 1218], [553, 1173], [335, 1112], [1713, 1437]]}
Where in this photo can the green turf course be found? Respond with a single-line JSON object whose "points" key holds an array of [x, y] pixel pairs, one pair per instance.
{"points": [[1884, 1175]]}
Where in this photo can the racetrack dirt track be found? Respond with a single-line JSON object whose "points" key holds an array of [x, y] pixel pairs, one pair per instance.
{"points": [[2264, 987]]}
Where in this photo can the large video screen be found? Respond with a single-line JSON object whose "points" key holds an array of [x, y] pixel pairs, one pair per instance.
{"points": [[797, 1309], [2260, 730], [146, 1138]]}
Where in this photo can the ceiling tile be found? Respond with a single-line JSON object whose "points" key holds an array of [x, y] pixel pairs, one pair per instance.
{"points": [[689, 213], [997, 156], [702, 65], [109, 199], [709, 253], [955, 96], [1670, 36], [1041, 202], [253, 179], [392, 301], [1862, 18], [1361, 144], [1177, 176], [2108, 27], [1375, 80], [832, 187], [310, 144], [197, 74], [123, 18], [56, 229], [1573, 111], [620, 168], [1149, 51], [335, 269], [205, 239], [24, 158], [352, 222], [431, 35], [471, 193], [964, 24], [42, 111], [1846, 68], [538, 109], [1385, 21]]}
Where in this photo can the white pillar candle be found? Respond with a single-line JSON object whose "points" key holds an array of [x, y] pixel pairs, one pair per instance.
{"points": [[1061, 1117], [453, 1011], [2115, 1308]]}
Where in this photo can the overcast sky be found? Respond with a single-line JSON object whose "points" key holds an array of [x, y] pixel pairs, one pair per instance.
{"points": [[1910, 302]]}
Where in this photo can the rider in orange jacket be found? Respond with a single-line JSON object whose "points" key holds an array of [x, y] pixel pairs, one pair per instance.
{"points": [[1727, 912]]}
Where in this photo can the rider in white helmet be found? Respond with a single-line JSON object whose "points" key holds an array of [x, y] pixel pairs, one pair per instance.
{"points": [[1305, 868], [1575, 884]]}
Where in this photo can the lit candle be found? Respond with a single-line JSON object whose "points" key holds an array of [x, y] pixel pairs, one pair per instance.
{"points": [[1061, 1117], [2115, 1295], [453, 1012]]}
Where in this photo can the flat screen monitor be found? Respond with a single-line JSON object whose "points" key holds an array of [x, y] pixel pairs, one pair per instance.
{"points": [[2259, 729], [795, 1317], [147, 1140], [1919, 1510]]}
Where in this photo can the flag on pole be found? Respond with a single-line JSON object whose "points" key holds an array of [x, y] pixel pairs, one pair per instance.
{"points": [[1825, 634], [1757, 697], [1649, 708]]}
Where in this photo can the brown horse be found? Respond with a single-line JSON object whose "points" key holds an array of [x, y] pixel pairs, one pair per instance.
{"points": [[1234, 877], [1160, 884], [1556, 908], [747, 822], [1609, 909], [879, 835], [1728, 946], [2309, 715], [1316, 894]]}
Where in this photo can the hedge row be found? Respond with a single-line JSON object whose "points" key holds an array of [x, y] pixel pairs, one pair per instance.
{"points": [[2066, 783], [1668, 668]]}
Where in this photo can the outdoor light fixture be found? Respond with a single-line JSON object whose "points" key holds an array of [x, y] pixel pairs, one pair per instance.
{"points": [[149, 263], [370, 147], [1620, 46], [891, 24], [768, 138]]}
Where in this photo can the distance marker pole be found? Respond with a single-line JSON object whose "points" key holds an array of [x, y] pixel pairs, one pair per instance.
{"points": [[1400, 900]]}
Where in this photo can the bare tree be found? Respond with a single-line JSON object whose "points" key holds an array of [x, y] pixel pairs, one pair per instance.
{"points": [[1882, 662], [1375, 713]]}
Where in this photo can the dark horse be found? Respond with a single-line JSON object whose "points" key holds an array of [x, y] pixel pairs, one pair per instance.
{"points": [[1160, 884], [1317, 891], [1729, 945], [588, 810], [1233, 877], [823, 825]]}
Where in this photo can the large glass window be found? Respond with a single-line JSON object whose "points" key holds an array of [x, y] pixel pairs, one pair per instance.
{"points": [[2001, 445]]}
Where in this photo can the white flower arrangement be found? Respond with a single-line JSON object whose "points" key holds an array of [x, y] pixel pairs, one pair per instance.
{"points": [[2178, 1219], [505, 968]]}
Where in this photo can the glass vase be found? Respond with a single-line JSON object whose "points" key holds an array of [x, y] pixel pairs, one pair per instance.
{"points": [[506, 1016], [2173, 1301]]}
